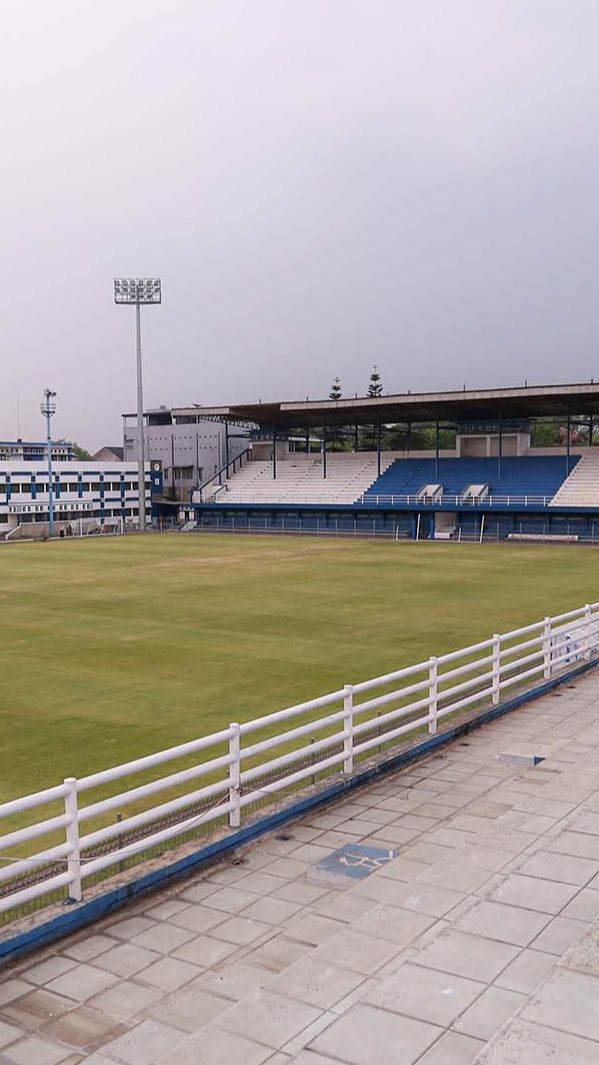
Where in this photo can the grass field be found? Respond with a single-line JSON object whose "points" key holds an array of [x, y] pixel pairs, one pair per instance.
{"points": [[112, 649]]}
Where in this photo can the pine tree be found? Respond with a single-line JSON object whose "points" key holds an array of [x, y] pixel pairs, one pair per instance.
{"points": [[336, 392], [335, 433], [375, 387]]}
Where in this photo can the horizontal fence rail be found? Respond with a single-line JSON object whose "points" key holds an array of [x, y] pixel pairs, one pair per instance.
{"points": [[104, 823], [463, 500]]}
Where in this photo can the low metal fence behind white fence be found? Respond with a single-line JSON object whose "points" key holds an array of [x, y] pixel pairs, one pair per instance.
{"points": [[216, 780]]}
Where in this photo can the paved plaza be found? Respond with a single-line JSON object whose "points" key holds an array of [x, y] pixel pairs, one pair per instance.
{"points": [[472, 937]]}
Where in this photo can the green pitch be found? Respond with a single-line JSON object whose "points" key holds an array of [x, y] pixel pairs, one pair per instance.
{"points": [[116, 648]]}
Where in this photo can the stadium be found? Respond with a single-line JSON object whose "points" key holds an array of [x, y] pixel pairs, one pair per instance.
{"points": [[161, 808], [325, 467], [300, 641]]}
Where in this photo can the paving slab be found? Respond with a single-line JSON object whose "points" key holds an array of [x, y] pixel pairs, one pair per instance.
{"points": [[84, 1028], [490, 1011], [393, 924], [369, 1036], [471, 956], [523, 1043], [532, 893], [425, 994], [584, 955], [146, 1044], [215, 1046], [267, 1017], [507, 924], [567, 1001], [360, 952], [82, 982], [317, 984], [566, 869], [526, 972], [559, 935], [36, 1050]]}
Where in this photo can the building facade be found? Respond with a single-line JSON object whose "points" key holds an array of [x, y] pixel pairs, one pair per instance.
{"points": [[35, 451], [88, 496], [191, 449]]}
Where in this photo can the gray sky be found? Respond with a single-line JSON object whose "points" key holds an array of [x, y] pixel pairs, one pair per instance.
{"points": [[321, 184]]}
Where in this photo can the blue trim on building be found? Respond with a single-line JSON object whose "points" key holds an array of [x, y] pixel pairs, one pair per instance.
{"points": [[79, 915]]}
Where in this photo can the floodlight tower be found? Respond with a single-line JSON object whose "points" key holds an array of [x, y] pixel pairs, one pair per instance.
{"points": [[138, 290], [48, 409]]}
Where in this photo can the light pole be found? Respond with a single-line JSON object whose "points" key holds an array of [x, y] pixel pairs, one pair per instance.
{"points": [[138, 290], [48, 408]]}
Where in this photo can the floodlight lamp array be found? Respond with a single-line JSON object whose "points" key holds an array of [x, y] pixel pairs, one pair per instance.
{"points": [[137, 290], [48, 407]]}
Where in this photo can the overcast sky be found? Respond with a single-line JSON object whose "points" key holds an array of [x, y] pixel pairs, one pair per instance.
{"points": [[321, 184]]}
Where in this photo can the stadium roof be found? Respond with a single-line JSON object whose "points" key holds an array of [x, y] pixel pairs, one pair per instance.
{"points": [[481, 405]]}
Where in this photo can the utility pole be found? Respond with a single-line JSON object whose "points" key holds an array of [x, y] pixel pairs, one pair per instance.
{"points": [[48, 409]]}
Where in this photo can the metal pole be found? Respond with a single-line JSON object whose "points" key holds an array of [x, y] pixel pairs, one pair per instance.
{"points": [[378, 449], [227, 474], [324, 449], [500, 446], [591, 431], [568, 444], [356, 440], [50, 485], [437, 449], [274, 452], [141, 452]]}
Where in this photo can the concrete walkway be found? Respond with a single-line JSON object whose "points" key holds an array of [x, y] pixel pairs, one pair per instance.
{"points": [[475, 943]]}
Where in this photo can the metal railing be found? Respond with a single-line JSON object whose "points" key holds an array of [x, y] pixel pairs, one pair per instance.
{"points": [[229, 467], [216, 780], [462, 500]]}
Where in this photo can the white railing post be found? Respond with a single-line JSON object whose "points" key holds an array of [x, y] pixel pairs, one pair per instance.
{"points": [[496, 683], [588, 643], [71, 809], [235, 775], [547, 648], [348, 729], [432, 693]]}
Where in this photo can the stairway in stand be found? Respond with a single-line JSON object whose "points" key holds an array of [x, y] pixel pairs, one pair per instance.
{"points": [[581, 488]]}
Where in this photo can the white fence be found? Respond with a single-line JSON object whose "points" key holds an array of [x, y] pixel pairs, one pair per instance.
{"points": [[247, 765], [455, 501]]}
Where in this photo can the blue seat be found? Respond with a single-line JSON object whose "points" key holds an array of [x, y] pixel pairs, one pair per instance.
{"points": [[520, 476]]}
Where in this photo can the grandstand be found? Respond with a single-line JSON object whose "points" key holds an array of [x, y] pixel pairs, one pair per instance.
{"points": [[300, 480], [492, 484], [534, 477]]}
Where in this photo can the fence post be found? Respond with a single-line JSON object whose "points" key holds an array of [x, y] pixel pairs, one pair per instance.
{"points": [[348, 729], [588, 643], [432, 691], [547, 649], [235, 775], [496, 684], [72, 833]]}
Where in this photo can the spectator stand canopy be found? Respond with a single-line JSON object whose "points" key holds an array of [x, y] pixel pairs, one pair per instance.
{"points": [[500, 407]]}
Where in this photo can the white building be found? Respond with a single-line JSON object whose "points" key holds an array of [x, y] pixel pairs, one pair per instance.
{"points": [[87, 496], [190, 448], [35, 450]]}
